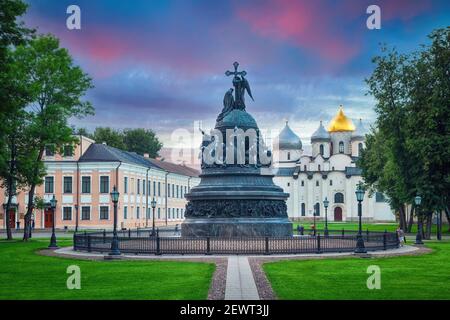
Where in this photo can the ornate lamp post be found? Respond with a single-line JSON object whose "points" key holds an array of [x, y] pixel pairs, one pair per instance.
{"points": [[359, 238], [153, 203], [53, 203], [418, 201], [325, 204], [115, 241]]}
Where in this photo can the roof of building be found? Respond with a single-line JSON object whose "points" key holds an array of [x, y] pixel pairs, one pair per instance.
{"points": [[340, 122], [287, 140], [102, 152], [320, 133], [360, 131]]}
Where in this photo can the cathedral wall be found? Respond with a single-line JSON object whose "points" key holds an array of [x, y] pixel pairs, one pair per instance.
{"points": [[337, 137]]}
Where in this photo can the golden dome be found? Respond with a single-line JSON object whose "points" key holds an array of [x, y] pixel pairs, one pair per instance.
{"points": [[340, 122]]}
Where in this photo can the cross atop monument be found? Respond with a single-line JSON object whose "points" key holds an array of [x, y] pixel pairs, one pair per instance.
{"points": [[235, 72]]}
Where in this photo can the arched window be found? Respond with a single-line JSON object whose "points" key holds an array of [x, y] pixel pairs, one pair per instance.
{"points": [[319, 167], [341, 147], [321, 149], [331, 182], [289, 156], [304, 167], [317, 209], [338, 198], [360, 147], [303, 209]]}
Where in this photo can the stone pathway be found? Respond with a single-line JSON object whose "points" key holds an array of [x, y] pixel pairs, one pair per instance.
{"points": [[240, 284]]}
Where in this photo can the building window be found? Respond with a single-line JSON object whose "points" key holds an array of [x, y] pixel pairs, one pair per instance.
{"points": [[148, 187], [178, 214], [303, 209], [288, 184], [317, 209], [338, 198], [125, 212], [173, 190], [317, 183], [85, 213], [68, 151], [125, 184], [67, 184], [379, 197], [143, 187], [159, 189], [104, 184], [67, 213], [49, 151], [341, 147], [49, 182], [154, 188], [104, 213], [303, 183], [168, 213], [304, 167], [331, 182], [85, 184], [360, 148], [289, 156], [319, 167], [332, 168], [138, 186], [137, 212], [321, 149], [159, 213], [178, 193], [148, 213], [168, 190]]}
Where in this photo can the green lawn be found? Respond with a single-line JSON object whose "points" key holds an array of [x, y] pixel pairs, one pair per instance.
{"points": [[26, 275], [406, 277], [390, 227]]}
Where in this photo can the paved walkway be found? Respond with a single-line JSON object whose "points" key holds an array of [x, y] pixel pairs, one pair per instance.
{"points": [[240, 284]]}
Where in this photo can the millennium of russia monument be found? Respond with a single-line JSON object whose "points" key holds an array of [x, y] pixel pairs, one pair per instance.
{"points": [[236, 196]]}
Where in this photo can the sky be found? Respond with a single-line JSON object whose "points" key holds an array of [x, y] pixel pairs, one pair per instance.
{"points": [[161, 64]]}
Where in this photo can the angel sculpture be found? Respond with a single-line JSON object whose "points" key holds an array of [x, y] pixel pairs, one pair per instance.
{"points": [[228, 104]]}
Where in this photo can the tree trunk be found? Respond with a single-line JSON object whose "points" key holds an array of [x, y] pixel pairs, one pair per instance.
{"points": [[429, 225], [411, 220], [10, 186], [447, 214], [402, 217], [8, 207], [27, 227]]}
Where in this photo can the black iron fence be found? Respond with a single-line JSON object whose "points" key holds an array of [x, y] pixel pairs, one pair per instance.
{"points": [[168, 241]]}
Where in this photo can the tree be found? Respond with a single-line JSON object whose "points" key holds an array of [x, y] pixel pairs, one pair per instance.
{"points": [[111, 137], [409, 152], [56, 87], [142, 141], [13, 96]]}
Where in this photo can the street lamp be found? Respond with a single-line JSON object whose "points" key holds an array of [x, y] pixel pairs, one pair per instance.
{"points": [[325, 204], [153, 203], [115, 241], [53, 203], [418, 201], [359, 238]]}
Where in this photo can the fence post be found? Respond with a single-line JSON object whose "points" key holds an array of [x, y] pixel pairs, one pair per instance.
{"points": [[104, 235], [318, 244], [342, 232], [266, 251], [208, 246], [385, 240], [89, 243], [75, 242], [158, 244], [129, 233]]}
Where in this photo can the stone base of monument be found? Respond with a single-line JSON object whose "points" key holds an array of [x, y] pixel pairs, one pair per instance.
{"points": [[236, 227]]}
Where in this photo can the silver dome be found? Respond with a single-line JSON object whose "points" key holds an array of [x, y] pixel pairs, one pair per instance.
{"points": [[320, 134], [360, 131], [287, 140]]}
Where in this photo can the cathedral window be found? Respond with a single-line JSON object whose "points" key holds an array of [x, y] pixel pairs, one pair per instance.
{"points": [[303, 209], [341, 147], [319, 167], [317, 209], [360, 147], [303, 183], [331, 182], [338, 198], [289, 156], [321, 149], [304, 167], [317, 183]]}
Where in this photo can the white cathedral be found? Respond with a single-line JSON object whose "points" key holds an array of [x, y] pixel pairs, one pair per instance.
{"points": [[329, 172]]}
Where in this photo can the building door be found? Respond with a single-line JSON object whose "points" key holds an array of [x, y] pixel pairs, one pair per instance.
{"points": [[12, 218], [338, 214], [48, 218]]}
